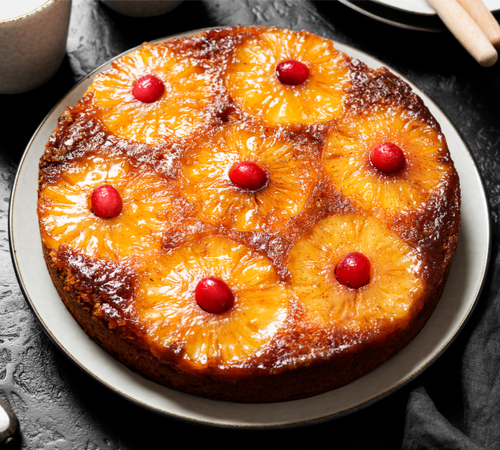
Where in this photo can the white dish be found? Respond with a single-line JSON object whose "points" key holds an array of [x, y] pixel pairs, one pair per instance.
{"points": [[396, 17], [423, 6], [461, 293]]}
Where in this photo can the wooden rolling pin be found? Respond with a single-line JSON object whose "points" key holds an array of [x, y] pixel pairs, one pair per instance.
{"points": [[484, 18], [466, 30]]}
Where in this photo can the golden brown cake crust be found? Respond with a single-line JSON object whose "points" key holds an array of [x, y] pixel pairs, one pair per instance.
{"points": [[244, 386], [307, 352]]}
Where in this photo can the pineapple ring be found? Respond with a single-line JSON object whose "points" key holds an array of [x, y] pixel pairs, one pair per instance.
{"points": [[251, 79], [393, 284], [181, 109], [166, 302], [347, 161], [66, 217], [205, 180]]}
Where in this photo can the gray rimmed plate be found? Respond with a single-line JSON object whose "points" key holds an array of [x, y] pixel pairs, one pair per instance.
{"points": [[423, 6], [410, 14], [461, 293]]}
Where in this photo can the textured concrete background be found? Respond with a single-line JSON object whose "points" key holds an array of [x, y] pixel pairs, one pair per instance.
{"points": [[58, 405]]}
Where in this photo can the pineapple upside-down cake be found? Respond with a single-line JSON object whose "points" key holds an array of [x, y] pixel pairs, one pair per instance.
{"points": [[248, 214]]}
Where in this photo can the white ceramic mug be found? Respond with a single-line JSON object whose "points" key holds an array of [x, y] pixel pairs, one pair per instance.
{"points": [[33, 37]]}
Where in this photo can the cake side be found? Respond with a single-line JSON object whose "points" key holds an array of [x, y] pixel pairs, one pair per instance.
{"points": [[250, 385]]}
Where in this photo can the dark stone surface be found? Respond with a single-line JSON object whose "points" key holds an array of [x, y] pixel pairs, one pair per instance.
{"points": [[58, 405]]}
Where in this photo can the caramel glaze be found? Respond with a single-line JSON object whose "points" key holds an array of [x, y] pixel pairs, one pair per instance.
{"points": [[100, 294]]}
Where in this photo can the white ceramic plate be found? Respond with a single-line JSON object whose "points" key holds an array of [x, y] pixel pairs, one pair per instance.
{"points": [[423, 6], [396, 17], [465, 282], [410, 14]]}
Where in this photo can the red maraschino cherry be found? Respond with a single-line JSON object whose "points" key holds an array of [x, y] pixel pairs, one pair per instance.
{"points": [[353, 270], [248, 175], [213, 295], [292, 72], [148, 89], [106, 201], [388, 157]]}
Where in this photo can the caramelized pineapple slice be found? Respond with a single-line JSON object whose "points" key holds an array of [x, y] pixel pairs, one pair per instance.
{"points": [[205, 180], [347, 159], [253, 84], [66, 216], [180, 110], [393, 283], [166, 302]]}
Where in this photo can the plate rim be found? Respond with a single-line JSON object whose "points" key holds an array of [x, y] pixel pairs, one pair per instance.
{"points": [[397, 6], [396, 17], [325, 417]]}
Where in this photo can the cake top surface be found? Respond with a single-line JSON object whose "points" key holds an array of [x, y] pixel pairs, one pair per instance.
{"points": [[342, 159]]}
